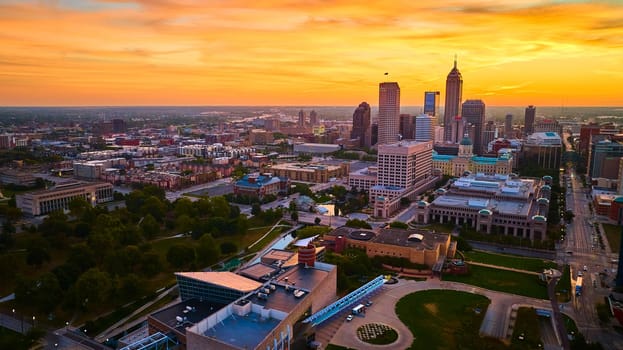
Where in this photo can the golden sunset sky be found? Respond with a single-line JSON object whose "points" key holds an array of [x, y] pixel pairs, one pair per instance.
{"points": [[308, 52]]}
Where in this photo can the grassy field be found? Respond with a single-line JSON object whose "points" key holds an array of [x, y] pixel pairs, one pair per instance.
{"points": [[613, 233], [517, 262], [502, 281], [445, 320], [526, 325]]}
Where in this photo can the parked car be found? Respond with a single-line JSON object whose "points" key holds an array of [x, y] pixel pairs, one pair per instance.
{"points": [[369, 303], [349, 318]]}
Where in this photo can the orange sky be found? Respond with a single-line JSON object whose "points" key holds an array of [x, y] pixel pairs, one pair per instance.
{"points": [[308, 52]]}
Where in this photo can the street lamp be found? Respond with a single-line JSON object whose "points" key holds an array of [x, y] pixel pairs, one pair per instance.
{"points": [[33, 322]]}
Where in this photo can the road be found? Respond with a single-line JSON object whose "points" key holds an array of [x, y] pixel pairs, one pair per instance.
{"points": [[579, 249]]}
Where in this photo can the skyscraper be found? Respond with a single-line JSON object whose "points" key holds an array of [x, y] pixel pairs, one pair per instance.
{"points": [[508, 126], [361, 125], [301, 122], [473, 112], [454, 95], [424, 127], [488, 135], [407, 126], [529, 120], [313, 118], [431, 102], [389, 111]]}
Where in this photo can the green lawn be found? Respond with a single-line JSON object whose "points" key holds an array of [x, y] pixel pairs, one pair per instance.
{"points": [[517, 262], [502, 281], [526, 325], [444, 319], [613, 233]]}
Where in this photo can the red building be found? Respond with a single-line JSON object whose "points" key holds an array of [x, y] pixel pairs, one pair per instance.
{"points": [[586, 133]]}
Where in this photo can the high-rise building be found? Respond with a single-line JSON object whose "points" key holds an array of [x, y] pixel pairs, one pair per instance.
{"points": [[313, 118], [457, 128], [361, 125], [431, 102], [600, 152], [586, 133], [454, 95], [529, 120], [508, 126], [424, 127], [407, 126], [404, 170], [301, 122], [389, 110], [473, 112], [488, 135]]}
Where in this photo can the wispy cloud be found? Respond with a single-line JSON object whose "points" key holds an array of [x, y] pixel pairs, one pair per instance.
{"points": [[305, 52]]}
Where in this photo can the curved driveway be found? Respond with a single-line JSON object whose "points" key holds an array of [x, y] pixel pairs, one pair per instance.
{"points": [[495, 323]]}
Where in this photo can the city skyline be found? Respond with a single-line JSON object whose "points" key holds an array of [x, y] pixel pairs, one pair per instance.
{"points": [[63, 53]]}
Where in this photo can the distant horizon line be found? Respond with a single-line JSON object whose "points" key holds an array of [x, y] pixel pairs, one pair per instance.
{"points": [[275, 105]]}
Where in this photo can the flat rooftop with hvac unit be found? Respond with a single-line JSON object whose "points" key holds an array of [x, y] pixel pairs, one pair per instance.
{"points": [[225, 310]]}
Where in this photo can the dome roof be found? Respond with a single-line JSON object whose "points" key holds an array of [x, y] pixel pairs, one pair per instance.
{"points": [[466, 141], [539, 218], [618, 199], [485, 212], [543, 200], [547, 178]]}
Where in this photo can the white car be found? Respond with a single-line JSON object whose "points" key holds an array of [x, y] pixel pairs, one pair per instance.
{"points": [[585, 268], [349, 318]]}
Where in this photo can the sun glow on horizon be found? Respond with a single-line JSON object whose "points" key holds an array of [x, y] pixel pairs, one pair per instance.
{"points": [[279, 52]]}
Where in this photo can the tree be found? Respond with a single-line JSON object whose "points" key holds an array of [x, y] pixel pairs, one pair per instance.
{"points": [[37, 255], [150, 227], [399, 225], [220, 207], [356, 223], [155, 207], [180, 255], [207, 250], [317, 220], [184, 206], [256, 209], [151, 264], [47, 293], [184, 223], [294, 216], [228, 248], [130, 287], [92, 288], [78, 206]]}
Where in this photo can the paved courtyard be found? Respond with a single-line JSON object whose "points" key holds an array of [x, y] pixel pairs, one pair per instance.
{"points": [[495, 323]]}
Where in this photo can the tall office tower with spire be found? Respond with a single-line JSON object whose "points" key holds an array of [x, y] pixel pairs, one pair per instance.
{"points": [[473, 112], [529, 120], [389, 112], [313, 118], [301, 122], [454, 94], [361, 125]]}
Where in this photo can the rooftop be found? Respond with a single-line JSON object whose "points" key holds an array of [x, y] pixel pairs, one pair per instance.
{"points": [[224, 279], [417, 239], [301, 277], [279, 299], [243, 332], [198, 311], [257, 181], [259, 271]]}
